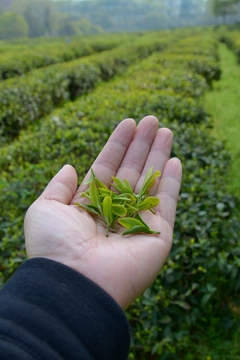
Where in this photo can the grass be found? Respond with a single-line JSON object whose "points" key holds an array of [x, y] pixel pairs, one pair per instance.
{"points": [[223, 102]]}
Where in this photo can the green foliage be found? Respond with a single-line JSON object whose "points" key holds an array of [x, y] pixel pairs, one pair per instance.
{"points": [[130, 15], [214, 344], [223, 7], [201, 277], [44, 18], [232, 40], [68, 28], [32, 54], [12, 25], [27, 99], [203, 269], [122, 208], [223, 104]]}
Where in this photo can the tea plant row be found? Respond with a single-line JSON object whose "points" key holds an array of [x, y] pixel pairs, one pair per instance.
{"points": [[28, 98], [232, 39], [21, 57], [202, 273]]}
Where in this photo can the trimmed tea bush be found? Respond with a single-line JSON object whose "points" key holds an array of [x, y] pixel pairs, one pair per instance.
{"points": [[202, 272], [28, 98], [232, 40], [32, 54]]}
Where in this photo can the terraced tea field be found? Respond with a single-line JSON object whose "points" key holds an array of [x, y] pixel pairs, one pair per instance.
{"points": [[65, 112]]}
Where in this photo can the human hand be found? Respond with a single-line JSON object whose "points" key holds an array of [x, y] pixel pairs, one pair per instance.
{"points": [[124, 267]]}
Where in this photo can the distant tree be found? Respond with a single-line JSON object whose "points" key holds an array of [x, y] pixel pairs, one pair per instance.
{"points": [[68, 27], [96, 29], [152, 21], [223, 8], [38, 14], [191, 10], [86, 27], [47, 19], [1, 7], [33, 22], [103, 19], [20, 6], [12, 25]]}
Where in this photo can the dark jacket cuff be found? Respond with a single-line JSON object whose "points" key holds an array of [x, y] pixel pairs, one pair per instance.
{"points": [[50, 311]]}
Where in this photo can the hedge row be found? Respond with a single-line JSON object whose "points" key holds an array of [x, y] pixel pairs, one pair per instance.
{"points": [[202, 273], [44, 53], [178, 86], [28, 98], [232, 39], [203, 60]]}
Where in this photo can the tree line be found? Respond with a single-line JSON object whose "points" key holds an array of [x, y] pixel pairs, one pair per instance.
{"points": [[35, 18]]}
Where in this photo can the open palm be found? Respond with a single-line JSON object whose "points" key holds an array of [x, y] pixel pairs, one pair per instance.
{"points": [[124, 267]]}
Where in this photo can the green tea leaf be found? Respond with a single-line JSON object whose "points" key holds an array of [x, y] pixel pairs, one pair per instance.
{"points": [[119, 210], [85, 194], [107, 212], [105, 192], [148, 203], [119, 185], [137, 229], [100, 184], [138, 217], [89, 208], [130, 198], [131, 210], [148, 182], [127, 185], [92, 177], [122, 207], [122, 186], [129, 222], [94, 194]]}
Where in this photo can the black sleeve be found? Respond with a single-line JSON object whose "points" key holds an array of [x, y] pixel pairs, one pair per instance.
{"points": [[50, 312]]}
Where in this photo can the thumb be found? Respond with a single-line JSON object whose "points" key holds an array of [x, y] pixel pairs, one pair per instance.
{"points": [[62, 187]]}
